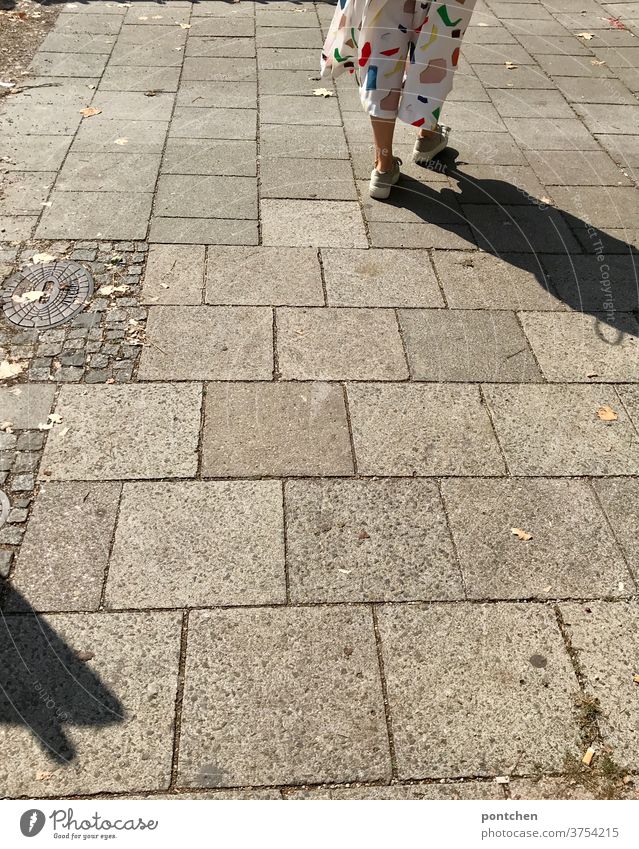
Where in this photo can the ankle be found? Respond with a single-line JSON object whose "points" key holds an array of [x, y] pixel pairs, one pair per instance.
{"points": [[385, 163]]}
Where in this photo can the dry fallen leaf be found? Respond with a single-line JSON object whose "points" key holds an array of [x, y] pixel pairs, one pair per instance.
{"points": [[607, 414], [597, 62], [121, 141], [28, 297], [502, 779], [545, 199], [520, 534], [185, 26], [90, 111], [40, 259], [53, 418], [109, 290], [510, 65], [9, 370], [585, 35], [635, 678], [587, 758], [322, 92], [6, 427]]}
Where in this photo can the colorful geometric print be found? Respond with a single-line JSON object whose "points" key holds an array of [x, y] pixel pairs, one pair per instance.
{"points": [[402, 52]]}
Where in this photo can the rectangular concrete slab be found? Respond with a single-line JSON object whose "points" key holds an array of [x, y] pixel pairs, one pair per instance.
{"points": [[619, 498], [313, 222], [339, 344], [213, 123], [25, 152], [410, 429], [466, 345], [174, 274], [605, 637], [238, 275], [96, 215], [581, 348], [126, 78], [26, 405], [572, 553], [204, 231], [441, 791], [555, 430], [210, 157], [282, 696], [191, 196], [368, 541], [232, 95], [123, 432], [109, 172], [380, 278], [523, 681], [112, 680], [224, 343], [275, 429], [326, 179], [165, 555], [64, 555]]}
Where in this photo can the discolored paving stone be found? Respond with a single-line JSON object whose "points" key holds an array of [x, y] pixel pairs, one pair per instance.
{"points": [[466, 345], [528, 228], [405, 430], [225, 343], [174, 274], [380, 278], [582, 348], [484, 281], [306, 178], [276, 429], [192, 196], [422, 235], [164, 555], [238, 275], [93, 215], [443, 727], [456, 790], [27, 405], [210, 157], [112, 725], [572, 552], [213, 123], [123, 432], [339, 344], [63, 558], [315, 223], [619, 498], [109, 172], [368, 541], [316, 671], [555, 430], [605, 639]]}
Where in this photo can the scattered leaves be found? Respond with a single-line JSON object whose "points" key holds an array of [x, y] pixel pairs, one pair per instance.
{"points": [[90, 111], [9, 370], [521, 534], [607, 414], [322, 92]]}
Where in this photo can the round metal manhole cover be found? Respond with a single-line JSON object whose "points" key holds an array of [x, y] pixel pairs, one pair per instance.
{"points": [[65, 287], [5, 507]]}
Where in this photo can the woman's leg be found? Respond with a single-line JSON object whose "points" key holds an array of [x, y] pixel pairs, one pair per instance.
{"points": [[383, 129]]}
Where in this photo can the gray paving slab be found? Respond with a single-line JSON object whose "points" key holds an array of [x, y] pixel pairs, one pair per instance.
{"points": [[76, 21], [308, 142], [225, 343], [555, 430], [339, 344], [484, 281], [16, 227], [584, 283], [618, 497], [125, 432], [529, 228], [111, 728], [572, 66], [204, 95], [466, 345], [93, 215], [239, 275], [605, 639], [174, 274], [213, 123], [233, 25], [197, 68], [535, 103], [33, 153], [26, 405], [111, 135], [32, 119], [285, 109], [25, 192], [572, 553], [441, 726], [68, 64], [380, 278], [207, 231], [63, 559], [165, 555], [197, 196], [368, 541], [275, 429], [299, 83], [582, 348], [326, 179], [300, 223], [134, 105], [208, 8], [448, 790], [550, 134], [571, 168], [160, 52], [411, 429], [127, 78], [235, 48], [588, 90], [315, 668], [267, 16], [422, 235], [109, 172], [277, 58], [73, 42], [148, 14], [210, 157]]}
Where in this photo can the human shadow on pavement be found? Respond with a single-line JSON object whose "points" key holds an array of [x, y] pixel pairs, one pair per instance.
{"points": [[586, 268], [45, 684]]}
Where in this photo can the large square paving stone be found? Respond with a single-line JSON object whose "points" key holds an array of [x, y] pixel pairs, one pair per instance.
{"points": [[605, 636], [208, 343], [339, 344], [275, 429], [113, 680], [26, 405], [198, 544], [95, 215], [368, 541], [63, 559], [572, 553], [555, 430], [409, 429], [282, 697], [122, 432], [521, 688]]}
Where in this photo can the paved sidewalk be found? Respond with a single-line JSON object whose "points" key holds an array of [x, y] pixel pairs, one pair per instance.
{"points": [[320, 496]]}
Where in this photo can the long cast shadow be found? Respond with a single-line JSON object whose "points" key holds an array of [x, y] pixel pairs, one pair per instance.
{"points": [[588, 269], [45, 684]]}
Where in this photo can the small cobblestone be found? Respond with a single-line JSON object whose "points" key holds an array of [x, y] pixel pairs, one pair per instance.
{"points": [[97, 375], [17, 516], [5, 563], [30, 441], [25, 462], [69, 374], [11, 535], [22, 483]]}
